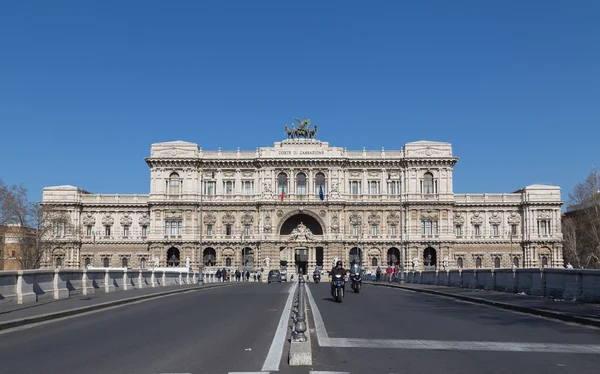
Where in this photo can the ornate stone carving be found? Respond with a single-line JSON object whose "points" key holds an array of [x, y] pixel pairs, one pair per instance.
{"points": [[247, 174], [126, 220], [210, 219], [267, 192], [247, 218], [355, 218], [144, 219], [279, 213], [335, 224], [301, 234], [334, 193], [495, 218], [459, 218], [543, 215], [322, 213], [268, 225], [514, 218], [393, 218], [374, 218], [476, 219], [89, 219], [107, 220], [176, 214], [303, 130], [228, 219]]}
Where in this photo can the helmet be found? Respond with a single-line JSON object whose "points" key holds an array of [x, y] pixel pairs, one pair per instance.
{"points": [[339, 263]]}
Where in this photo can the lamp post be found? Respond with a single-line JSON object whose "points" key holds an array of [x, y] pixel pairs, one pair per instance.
{"points": [[200, 258], [402, 280]]}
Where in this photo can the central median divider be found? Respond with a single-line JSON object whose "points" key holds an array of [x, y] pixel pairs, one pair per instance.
{"points": [[300, 345]]}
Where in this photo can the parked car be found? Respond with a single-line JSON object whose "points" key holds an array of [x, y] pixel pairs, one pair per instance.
{"points": [[274, 276]]}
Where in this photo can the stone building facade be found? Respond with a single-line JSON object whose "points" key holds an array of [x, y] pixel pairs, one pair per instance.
{"points": [[303, 203]]}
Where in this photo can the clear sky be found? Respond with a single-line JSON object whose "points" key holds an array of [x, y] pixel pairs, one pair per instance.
{"points": [[87, 86]]}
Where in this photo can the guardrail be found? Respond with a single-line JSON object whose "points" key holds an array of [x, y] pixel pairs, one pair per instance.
{"points": [[564, 284], [30, 286]]}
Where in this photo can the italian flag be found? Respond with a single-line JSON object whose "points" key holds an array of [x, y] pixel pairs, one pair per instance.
{"points": [[282, 192]]}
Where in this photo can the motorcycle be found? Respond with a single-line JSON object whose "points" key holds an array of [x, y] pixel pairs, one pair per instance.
{"points": [[338, 287], [316, 278], [356, 282]]}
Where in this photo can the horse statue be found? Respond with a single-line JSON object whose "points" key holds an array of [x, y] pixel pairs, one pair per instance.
{"points": [[302, 131], [312, 133], [291, 133]]}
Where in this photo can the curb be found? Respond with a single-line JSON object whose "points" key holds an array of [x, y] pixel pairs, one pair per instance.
{"points": [[538, 312], [66, 313]]}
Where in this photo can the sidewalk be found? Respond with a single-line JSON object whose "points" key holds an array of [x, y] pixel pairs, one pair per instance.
{"points": [[570, 311], [13, 315]]}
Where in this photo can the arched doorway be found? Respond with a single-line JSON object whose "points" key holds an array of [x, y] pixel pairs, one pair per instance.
{"points": [[393, 256], [247, 259], [209, 256], [173, 257], [429, 258], [294, 221], [355, 255]]}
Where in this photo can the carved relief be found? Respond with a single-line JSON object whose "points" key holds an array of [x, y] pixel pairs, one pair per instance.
{"points": [[267, 192], [373, 174], [322, 213], [514, 218], [229, 174], [495, 218], [355, 174], [268, 225], [355, 218], [459, 218], [89, 219], [543, 215], [393, 218], [144, 219], [279, 213], [247, 218], [175, 214], [126, 220], [374, 218], [334, 193], [107, 220], [335, 224], [228, 219], [247, 174], [476, 219], [210, 219]]}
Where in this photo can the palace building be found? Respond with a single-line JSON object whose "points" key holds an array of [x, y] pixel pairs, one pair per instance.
{"points": [[303, 203]]}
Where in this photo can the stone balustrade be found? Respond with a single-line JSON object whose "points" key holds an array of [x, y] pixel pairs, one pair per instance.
{"points": [[30, 286], [565, 284]]}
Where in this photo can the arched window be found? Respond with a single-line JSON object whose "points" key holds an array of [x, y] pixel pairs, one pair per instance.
{"points": [[544, 261], [58, 262], [301, 184], [374, 261], [320, 183], [428, 184], [478, 262], [282, 183], [516, 262], [248, 258], [459, 262], [355, 255], [124, 262], [210, 257], [174, 184], [87, 262], [173, 257], [228, 261], [497, 262], [143, 263], [106, 262]]}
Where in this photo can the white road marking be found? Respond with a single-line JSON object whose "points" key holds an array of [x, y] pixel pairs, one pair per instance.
{"points": [[449, 345], [249, 372], [328, 372], [322, 336], [274, 356]]}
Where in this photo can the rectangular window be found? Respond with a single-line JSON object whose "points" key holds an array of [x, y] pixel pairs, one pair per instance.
{"points": [[513, 229], [173, 227], [495, 230], [374, 188], [373, 230], [209, 230], [393, 187], [228, 187], [13, 254], [544, 227], [458, 230], [248, 187], [59, 228], [210, 188], [126, 230], [106, 230], [355, 188], [355, 230], [246, 229], [144, 231], [228, 229], [429, 227], [476, 230], [393, 230], [88, 230]]}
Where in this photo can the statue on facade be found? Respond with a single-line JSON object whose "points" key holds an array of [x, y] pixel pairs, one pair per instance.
{"points": [[416, 263], [302, 131], [187, 262], [267, 192], [301, 233], [334, 194], [156, 262], [268, 262], [445, 262]]}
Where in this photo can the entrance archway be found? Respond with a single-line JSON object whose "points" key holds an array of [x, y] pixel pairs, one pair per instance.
{"points": [[429, 257], [173, 257], [210, 257], [355, 255], [393, 256], [308, 220], [247, 258]]}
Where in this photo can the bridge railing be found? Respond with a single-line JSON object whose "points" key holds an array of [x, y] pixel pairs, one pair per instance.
{"points": [[565, 284], [29, 286]]}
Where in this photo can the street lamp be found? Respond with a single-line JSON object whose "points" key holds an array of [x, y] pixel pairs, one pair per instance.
{"points": [[402, 280], [200, 257]]}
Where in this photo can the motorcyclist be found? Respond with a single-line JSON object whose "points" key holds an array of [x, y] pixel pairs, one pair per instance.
{"points": [[337, 269], [354, 268]]}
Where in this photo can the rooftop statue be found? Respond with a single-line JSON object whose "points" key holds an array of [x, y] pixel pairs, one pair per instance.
{"points": [[302, 131]]}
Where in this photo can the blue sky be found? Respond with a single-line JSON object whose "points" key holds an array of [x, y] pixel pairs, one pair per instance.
{"points": [[86, 87]]}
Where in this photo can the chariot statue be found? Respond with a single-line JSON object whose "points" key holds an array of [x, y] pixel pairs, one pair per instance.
{"points": [[302, 131]]}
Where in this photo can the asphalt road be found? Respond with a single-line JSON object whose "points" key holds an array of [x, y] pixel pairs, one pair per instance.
{"points": [[384, 330], [221, 330]]}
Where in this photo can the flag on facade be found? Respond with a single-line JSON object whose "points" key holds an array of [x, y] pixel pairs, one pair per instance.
{"points": [[321, 194], [282, 192]]}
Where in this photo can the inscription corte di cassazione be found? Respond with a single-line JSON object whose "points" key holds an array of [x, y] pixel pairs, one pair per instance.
{"points": [[300, 153]]}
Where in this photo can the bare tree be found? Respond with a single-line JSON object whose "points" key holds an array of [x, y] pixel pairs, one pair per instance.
{"points": [[585, 212], [570, 236]]}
